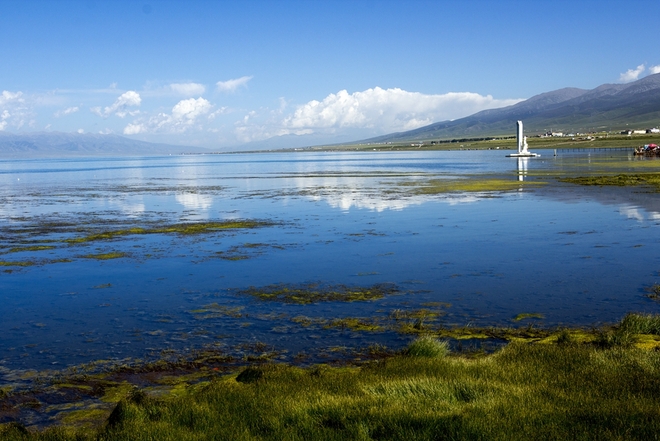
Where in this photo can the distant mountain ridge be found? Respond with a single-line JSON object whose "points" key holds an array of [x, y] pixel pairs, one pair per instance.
{"points": [[59, 144], [607, 107]]}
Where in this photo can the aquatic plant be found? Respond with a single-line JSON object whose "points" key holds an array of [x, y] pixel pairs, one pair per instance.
{"points": [[183, 229], [106, 256], [470, 184], [314, 293], [619, 180], [527, 315], [15, 263]]}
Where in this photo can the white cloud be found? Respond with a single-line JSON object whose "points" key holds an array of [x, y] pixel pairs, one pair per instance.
{"points": [[188, 110], [654, 69], [632, 74], [14, 110], [133, 129], [81, 131], [368, 113], [220, 111], [120, 106], [232, 85], [187, 89], [183, 117], [387, 110], [67, 111]]}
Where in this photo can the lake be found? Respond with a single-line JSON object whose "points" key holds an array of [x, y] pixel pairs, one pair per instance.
{"points": [[94, 267]]}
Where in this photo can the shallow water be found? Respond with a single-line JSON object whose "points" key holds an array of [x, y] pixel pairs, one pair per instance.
{"points": [[575, 255]]}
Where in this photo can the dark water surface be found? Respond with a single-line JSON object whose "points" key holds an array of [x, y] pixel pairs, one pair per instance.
{"points": [[574, 255]]}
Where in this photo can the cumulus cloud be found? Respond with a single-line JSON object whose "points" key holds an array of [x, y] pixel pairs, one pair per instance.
{"points": [[368, 113], [67, 111], [654, 69], [232, 85], [121, 105], [13, 110], [387, 109], [632, 74], [187, 89], [184, 116]]}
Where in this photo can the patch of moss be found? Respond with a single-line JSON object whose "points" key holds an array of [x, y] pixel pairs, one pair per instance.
{"points": [[314, 293]]}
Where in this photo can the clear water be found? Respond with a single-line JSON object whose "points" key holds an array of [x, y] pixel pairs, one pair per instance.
{"points": [[575, 255]]}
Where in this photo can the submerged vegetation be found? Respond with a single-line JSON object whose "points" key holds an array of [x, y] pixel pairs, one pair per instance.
{"points": [[651, 180], [314, 293], [55, 237], [184, 229], [564, 388], [436, 186]]}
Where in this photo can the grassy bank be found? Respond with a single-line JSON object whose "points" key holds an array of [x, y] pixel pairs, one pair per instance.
{"points": [[605, 388], [597, 140]]}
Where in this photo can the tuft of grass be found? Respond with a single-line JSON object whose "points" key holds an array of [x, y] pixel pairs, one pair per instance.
{"points": [[640, 324], [428, 346]]}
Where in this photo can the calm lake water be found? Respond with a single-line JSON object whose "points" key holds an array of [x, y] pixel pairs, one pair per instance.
{"points": [[572, 255]]}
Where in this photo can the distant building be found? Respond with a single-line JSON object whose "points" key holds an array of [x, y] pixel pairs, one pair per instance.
{"points": [[654, 130]]}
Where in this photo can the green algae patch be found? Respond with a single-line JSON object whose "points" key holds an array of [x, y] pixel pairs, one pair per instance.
{"points": [[182, 229], [439, 186], [106, 256], [214, 310], [621, 180], [527, 315], [31, 248], [354, 324], [314, 293], [16, 263]]}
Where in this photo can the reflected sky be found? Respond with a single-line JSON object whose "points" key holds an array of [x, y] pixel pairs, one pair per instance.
{"points": [[576, 255]]}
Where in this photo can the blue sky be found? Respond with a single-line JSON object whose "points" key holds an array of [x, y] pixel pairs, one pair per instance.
{"points": [[219, 74]]}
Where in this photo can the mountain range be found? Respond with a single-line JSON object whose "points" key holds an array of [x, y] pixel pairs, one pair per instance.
{"points": [[58, 144], [607, 107]]}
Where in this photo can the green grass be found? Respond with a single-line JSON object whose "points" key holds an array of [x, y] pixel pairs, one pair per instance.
{"points": [[522, 392], [568, 390], [427, 346]]}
